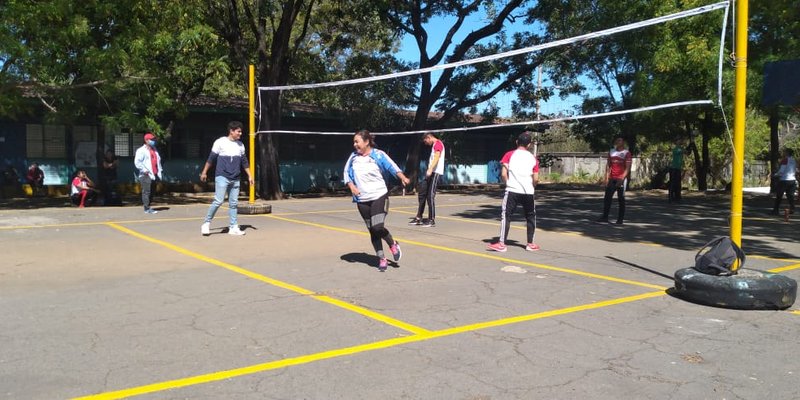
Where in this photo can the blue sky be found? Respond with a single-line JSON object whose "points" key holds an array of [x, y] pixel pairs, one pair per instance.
{"points": [[437, 29]]}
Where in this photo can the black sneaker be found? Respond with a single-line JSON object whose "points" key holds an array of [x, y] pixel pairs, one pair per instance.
{"points": [[415, 221], [602, 220], [428, 223], [619, 222]]}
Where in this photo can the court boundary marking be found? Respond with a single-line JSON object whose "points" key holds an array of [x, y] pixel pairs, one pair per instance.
{"points": [[418, 335], [795, 262], [357, 349], [277, 283]]}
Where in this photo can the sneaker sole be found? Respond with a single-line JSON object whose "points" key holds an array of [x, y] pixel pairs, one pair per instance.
{"points": [[529, 249], [497, 250]]}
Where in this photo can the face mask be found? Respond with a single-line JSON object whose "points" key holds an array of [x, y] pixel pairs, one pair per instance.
{"points": [[152, 143]]}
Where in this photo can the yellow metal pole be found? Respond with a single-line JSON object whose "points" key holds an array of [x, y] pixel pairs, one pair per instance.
{"points": [[252, 116], [738, 123]]}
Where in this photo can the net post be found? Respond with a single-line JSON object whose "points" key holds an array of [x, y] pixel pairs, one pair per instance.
{"points": [[740, 95], [252, 121]]}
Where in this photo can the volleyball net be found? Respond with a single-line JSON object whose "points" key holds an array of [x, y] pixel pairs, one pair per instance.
{"points": [[389, 100]]}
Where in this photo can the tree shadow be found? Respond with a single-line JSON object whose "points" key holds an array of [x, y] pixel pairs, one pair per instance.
{"points": [[686, 225]]}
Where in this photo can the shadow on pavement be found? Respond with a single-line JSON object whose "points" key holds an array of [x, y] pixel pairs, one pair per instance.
{"points": [[686, 225]]}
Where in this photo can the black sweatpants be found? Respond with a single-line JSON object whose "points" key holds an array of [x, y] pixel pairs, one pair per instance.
{"points": [[788, 188], [374, 215], [610, 189], [510, 202], [427, 194]]}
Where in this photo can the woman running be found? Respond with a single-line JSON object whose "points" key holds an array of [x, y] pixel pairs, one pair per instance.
{"points": [[362, 174]]}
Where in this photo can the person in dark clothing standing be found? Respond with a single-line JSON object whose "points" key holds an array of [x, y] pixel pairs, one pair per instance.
{"points": [[427, 188], [676, 172]]}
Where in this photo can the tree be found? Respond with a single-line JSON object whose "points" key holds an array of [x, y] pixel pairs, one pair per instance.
{"points": [[465, 88], [114, 61], [669, 62], [292, 40]]}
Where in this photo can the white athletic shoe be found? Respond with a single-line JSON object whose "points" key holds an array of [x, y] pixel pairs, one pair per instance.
{"points": [[234, 230], [205, 229]]}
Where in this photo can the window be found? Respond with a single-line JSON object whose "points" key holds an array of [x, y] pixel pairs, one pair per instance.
{"points": [[46, 141], [122, 145]]}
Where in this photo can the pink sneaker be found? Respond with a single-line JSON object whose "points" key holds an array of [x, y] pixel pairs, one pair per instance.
{"points": [[383, 264], [396, 252], [499, 246], [532, 247]]}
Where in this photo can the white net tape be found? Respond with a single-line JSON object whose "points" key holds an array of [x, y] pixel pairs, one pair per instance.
{"points": [[525, 50]]}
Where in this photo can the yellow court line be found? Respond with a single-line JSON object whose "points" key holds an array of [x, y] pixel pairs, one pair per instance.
{"points": [[74, 224], [497, 224], [274, 282], [788, 260], [784, 269], [482, 255], [796, 312], [343, 210], [571, 233], [345, 351]]}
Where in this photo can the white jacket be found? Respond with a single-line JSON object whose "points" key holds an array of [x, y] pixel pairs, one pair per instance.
{"points": [[143, 163]]}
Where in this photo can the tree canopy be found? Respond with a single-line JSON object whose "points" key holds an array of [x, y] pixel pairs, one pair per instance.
{"points": [[137, 63]]}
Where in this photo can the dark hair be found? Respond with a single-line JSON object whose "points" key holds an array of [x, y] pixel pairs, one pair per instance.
{"points": [[789, 152], [524, 138], [234, 125], [366, 136], [429, 133]]}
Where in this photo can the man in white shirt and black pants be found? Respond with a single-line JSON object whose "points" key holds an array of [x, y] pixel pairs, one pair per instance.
{"points": [[520, 172]]}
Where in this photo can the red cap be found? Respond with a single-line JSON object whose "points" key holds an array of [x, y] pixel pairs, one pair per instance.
{"points": [[149, 136]]}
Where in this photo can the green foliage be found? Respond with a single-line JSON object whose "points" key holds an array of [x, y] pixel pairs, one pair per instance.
{"points": [[553, 177], [131, 63]]}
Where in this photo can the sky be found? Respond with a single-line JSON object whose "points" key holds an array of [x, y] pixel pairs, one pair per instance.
{"points": [[437, 29]]}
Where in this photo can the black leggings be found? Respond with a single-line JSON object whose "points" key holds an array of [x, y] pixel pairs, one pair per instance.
{"points": [[510, 201], [374, 215], [610, 189], [427, 194], [675, 184]]}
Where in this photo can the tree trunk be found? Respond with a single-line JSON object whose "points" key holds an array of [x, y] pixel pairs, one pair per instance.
{"points": [[774, 148], [420, 123], [269, 177], [705, 163]]}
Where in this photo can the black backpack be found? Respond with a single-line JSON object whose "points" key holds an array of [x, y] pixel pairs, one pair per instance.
{"points": [[718, 256]]}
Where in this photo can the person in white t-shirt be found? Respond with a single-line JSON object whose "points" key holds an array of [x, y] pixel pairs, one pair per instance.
{"points": [[427, 188], [363, 174], [787, 182], [520, 172]]}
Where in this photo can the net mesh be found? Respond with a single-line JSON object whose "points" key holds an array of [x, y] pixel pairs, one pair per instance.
{"points": [[388, 100]]}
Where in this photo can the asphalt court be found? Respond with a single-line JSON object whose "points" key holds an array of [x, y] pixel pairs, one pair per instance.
{"points": [[111, 303]]}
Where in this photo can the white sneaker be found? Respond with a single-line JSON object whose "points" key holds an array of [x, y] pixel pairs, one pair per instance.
{"points": [[234, 230], [205, 229]]}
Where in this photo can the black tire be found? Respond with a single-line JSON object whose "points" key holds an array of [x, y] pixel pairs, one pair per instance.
{"points": [[253, 209], [747, 290]]}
